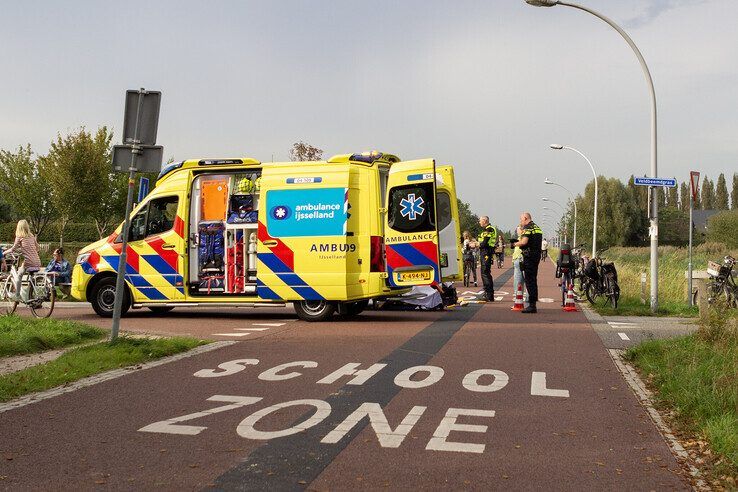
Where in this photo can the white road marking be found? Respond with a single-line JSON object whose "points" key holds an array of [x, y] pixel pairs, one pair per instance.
{"points": [[498, 298], [545, 299], [251, 329], [173, 426], [538, 386], [623, 336], [230, 334], [448, 424], [267, 324], [625, 323]]}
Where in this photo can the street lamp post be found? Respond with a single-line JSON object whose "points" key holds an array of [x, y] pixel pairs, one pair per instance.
{"points": [[654, 209], [574, 201], [594, 225], [563, 214]]}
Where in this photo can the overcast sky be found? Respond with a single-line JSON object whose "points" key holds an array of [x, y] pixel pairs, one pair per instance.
{"points": [[484, 85]]}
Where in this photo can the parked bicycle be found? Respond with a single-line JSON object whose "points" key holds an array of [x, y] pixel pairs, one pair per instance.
{"points": [[37, 290], [600, 281], [722, 284]]}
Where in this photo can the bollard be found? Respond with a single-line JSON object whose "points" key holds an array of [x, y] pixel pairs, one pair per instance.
{"points": [[643, 288]]}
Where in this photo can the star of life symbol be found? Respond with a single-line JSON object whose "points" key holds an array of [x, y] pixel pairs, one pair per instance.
{"points": [[412, 207], [280, 212]]}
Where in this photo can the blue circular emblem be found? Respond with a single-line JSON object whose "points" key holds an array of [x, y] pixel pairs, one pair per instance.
{"points": [[281, 212]]}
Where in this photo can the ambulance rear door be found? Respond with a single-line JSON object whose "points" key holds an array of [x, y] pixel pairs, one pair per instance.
{"points": [[447, 213], [411, 237]]}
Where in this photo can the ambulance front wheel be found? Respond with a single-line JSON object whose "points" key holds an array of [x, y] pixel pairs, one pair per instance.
{"points": [[103, 298], [314, 310]]}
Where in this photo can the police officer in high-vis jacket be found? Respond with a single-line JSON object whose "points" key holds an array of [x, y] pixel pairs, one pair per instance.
{"points": [[487, 241], [530, 244]]}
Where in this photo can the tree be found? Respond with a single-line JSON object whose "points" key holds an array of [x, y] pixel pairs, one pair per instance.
{"points": [[24, 188], [469, 221], [734, 193], [302, 151], [621, 221], [640, 193], [74, 168], [721, 194], [708, 194], [684, 197]]}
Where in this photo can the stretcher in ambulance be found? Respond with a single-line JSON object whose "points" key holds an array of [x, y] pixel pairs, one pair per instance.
{"points": [[326, 236]]}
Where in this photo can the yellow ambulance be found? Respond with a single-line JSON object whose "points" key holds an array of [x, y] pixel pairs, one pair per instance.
{"points": [[327, 236]]}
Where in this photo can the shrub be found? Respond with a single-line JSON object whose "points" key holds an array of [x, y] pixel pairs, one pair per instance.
{"points": [[723, 228]]}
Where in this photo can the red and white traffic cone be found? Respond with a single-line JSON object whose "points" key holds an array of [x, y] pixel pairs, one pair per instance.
{"points": [[570, 305], [518, 306]]}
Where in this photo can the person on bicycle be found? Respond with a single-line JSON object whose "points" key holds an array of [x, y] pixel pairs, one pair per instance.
{"points": [[467, 253], [544, 249], [26, 245], [500, 251]]}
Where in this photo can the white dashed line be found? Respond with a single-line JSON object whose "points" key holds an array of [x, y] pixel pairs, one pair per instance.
{"points": [[230, 334], [267, 324], [623, 336], [252, 329], [621, 323]]}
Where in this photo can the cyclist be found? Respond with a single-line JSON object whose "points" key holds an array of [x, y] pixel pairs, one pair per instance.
{"points": [[500, 251], [25, 244], [470, 260], [544, 249]]}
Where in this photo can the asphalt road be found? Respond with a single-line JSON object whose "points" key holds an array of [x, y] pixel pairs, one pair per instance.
{"points": [[478, 397]]}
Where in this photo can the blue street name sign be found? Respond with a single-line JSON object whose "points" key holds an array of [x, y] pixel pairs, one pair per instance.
{"points": [[143, 189], [668, 182]]}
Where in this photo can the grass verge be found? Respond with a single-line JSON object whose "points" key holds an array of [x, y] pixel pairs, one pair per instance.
{"points": [[26, 336], [632, 306], [696, 379], [673, 262], [91, 359]]}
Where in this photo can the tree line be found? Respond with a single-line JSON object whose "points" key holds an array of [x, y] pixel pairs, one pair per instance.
{"points": [[72, 182], [623, 211]]}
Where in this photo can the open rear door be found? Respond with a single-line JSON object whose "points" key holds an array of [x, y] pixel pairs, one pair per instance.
{"points": [[411, 235], [448, 224]]}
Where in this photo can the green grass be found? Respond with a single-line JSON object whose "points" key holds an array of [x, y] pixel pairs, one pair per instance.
{"points": [[673, 262], [697, 378], [26, 335], [630, 306], [92, 359]]}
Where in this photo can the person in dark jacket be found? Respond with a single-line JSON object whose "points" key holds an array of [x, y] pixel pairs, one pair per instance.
{"points": [[530, 245], [487, 241]]}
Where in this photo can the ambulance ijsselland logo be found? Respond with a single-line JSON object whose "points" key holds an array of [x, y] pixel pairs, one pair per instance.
{"points": [[281, 212], [412, 207]]}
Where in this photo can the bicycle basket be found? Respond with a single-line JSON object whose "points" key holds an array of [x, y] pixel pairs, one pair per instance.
{"points": [[591, 270]]}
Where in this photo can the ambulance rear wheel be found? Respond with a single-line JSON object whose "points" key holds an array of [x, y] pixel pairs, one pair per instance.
{"points": [[314, 310], [103, 298]]}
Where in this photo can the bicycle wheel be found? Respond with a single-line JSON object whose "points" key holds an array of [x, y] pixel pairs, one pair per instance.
{"points": [[44, 297], [592, 292], [6, 305], [613, 291]]}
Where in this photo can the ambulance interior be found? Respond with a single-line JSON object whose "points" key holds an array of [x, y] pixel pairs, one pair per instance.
{"points": [[223, 222]]}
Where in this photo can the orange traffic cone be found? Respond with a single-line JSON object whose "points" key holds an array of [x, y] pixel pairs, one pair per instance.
{"points": [[518, 306], [570, 305]]}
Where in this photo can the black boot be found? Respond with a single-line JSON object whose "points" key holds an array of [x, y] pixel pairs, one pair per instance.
{"points": [[530, 309]]}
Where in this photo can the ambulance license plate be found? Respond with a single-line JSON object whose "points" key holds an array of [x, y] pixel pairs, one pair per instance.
{"points": [[423, 275]]}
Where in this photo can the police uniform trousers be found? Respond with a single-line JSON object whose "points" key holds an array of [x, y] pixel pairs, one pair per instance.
{"points": [[530, 276], [486, 260]]}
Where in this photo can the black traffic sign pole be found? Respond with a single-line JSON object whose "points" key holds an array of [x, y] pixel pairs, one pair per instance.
{"points": [[122, 259]]}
